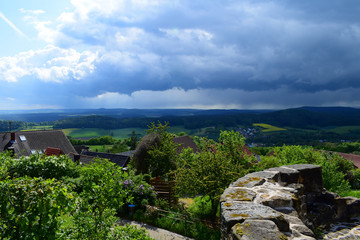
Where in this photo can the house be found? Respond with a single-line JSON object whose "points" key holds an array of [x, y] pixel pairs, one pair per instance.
{"points": [[25, 143], [86, 157], [185, 142], [355, 159]]}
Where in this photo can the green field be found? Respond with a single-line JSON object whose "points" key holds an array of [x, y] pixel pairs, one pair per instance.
{"points": [[117, 133], [35, 128], [97, 132], [100, 148], [268, 127]]}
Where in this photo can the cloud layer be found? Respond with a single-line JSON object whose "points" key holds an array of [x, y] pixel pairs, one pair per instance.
{"points": [[165, 53]]}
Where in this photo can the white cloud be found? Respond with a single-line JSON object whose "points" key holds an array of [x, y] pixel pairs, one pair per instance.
{"points": [[32, 12], [124, 10], [49, 64]]}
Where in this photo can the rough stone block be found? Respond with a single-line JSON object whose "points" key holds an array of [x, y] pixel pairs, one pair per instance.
{"points": [[255, 179], [238, 212], [287, 175], [237, 194], [257, 229], [310, 176]]}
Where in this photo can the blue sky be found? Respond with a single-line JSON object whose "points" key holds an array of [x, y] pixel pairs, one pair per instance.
{"points": [[256, 54]]}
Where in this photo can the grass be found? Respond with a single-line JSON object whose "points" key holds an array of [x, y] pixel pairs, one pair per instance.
{"points": [[100, 148], [98, 132], [121, 133], [268, 127], [44, 127], [353, 193]]}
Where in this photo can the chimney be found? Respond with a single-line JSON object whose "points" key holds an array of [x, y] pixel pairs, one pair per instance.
{"points": [[12, 137]]}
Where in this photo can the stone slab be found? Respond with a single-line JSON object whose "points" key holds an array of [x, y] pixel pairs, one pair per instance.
{"points": [[257, 230], [238, 212], [237, 194]]}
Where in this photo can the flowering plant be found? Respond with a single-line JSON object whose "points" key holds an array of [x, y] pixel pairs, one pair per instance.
{"points": [[138, 191]]}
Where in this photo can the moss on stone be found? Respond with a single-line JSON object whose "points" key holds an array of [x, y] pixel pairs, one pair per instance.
{"points": [[251, 179], [227, 204], [239, 215]]}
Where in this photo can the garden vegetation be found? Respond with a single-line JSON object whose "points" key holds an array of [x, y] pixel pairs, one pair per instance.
{"points": [[53, 198]]}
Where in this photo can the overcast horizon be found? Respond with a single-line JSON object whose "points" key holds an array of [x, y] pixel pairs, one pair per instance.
{"points": [[179, 54]]}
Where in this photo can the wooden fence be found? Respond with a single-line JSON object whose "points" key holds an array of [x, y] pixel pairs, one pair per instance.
{"points": [[164, 189]]}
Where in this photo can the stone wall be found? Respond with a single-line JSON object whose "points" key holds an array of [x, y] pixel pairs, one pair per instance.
{"points": [[282, 203]]}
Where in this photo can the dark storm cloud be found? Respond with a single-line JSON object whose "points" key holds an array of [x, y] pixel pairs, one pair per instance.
{"points": [[239, 49]]}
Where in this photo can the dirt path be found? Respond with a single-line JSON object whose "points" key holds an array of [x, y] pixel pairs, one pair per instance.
{"points": [[154, 232]]}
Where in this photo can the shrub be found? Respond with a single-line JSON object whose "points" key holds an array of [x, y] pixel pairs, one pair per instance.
{"points": [[46, 167], [333, 179], [334, 167], [138, 192], [354, 178], [128, 232], [30, 208], [201, 208]]}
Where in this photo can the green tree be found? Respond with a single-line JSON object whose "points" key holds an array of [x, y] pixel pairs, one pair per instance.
{"points": [[133, 140], [119, 146], [209, 172], [156, 153]]}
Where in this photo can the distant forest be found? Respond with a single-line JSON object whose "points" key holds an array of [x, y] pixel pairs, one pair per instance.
{"points": [[304, 125]]}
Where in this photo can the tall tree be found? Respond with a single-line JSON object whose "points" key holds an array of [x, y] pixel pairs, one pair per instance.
{"points": [[210, 171], [156, 153]]}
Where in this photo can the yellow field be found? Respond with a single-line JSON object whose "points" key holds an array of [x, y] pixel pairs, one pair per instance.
{"points": [[268, 127], [67, 131]]}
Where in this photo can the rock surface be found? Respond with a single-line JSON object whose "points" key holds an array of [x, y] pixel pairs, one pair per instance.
{"points": [[257, 230], [281, 203]]}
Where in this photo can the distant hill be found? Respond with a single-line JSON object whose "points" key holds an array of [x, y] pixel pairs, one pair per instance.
{"points": [[38, 116], [304, 117], [303, 125]]}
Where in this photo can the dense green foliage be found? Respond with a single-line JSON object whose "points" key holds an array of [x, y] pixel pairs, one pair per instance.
{"points": [[42, 166], [4, 125], [210, 171], [103, 140], [128, 232], [344, 147], [156, 153], [52, 198], [117, 146], [31, 207], [335, 169]]}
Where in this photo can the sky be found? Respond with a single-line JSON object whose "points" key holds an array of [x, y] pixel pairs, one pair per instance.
{"points": [[218, 54]]}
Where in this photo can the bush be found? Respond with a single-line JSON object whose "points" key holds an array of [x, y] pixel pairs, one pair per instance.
{"points": [[128, 232], [354, 178], [333, 179], [335, 169], [201, 208], [30, 208], [138, 191], [46, 167]]}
